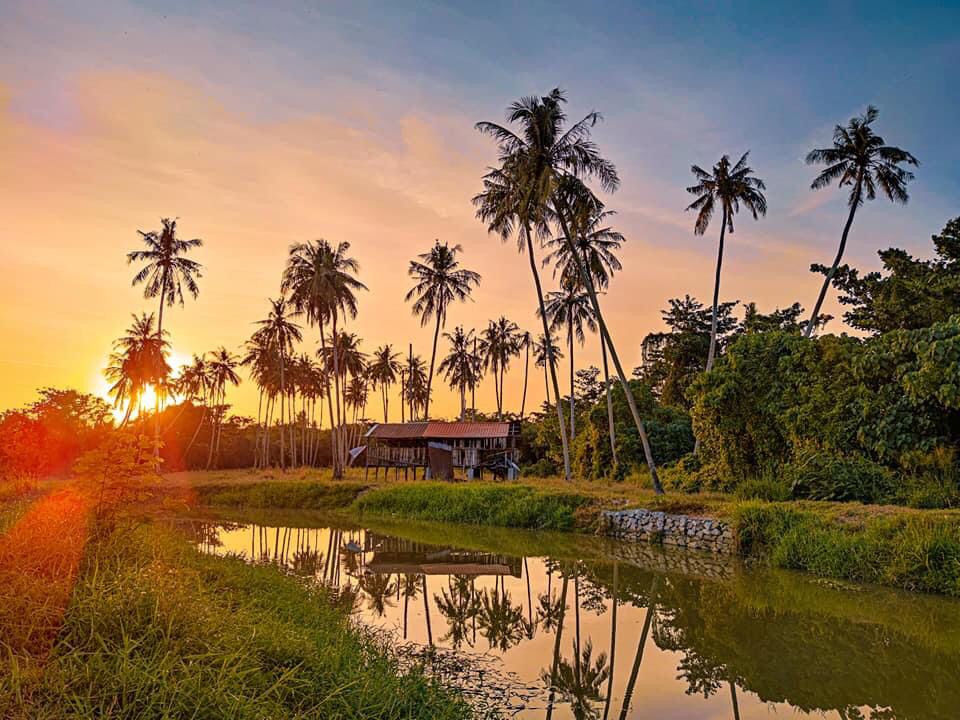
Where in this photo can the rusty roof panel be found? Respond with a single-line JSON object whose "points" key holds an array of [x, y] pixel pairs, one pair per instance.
{"points": [[467, 430], [398, 431]]}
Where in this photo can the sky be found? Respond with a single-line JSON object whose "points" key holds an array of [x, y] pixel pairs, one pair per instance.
{"points": [[263, 124]]}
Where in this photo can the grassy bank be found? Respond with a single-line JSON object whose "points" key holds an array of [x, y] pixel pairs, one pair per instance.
{"points": [[157, 630]]}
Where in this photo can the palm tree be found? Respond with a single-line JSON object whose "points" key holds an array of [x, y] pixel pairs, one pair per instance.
{"points": [[459, 606], [194, 384], [459, 366], [279, 332], [383, 371], [264, 366], [222, 369], [501, 622], [509, 202], [544, 351], [139, 359], [727, 187], [499, 343], [548, 161], [859, 158], [597, 244], [524, 343], [320, 280], [415, 388], [439, 281], [570, 309], [580, 683], [165, 273]]}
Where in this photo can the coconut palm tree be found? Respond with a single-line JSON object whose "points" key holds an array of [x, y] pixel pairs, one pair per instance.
{"points": [[861, 159], [415, 388], [459, 366], [165, 273], [597, 244], [264, 368], [279, 332], [499, 343], [439, 281], [383, 370], [727, 186], [549, 161], [524, 343], [542, 354], [139, 359], [222, 368], [569, 309], [320, 279], [194, 384], [509, 203]]}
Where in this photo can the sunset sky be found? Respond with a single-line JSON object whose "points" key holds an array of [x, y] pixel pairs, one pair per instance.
{"points": [[263, 124]]}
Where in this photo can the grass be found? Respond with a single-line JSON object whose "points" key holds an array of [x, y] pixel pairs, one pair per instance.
{"points": [[157, 630], [283, 494], [910, 550], [505, 505]]}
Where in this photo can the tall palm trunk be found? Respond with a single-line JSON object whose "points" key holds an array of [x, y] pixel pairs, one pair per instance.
{"points": [[283, 400], [587, 279], [157, 388], [716, 294], [433, 358], [610, 426], [546, 334], [808, 331], [526, 373], [326, 382], [196, 432], [573, 413]]}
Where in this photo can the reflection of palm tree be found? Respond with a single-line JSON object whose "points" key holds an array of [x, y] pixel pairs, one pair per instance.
{"points": [[426, 610], [579, 684], [378, 588], [550, 611], [556, 645], [733, 700], [501, 622], [305, 562], [613, 639], [651, 611], [459, 607], [410, 590]]}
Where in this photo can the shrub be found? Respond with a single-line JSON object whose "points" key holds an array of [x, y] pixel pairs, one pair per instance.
{"points": [[821, 475], [932, 479], [769, 488]]}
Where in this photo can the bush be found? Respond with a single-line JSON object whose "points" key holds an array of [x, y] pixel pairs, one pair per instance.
{"points": [[932, 478], [541, 468], [821, 475]]}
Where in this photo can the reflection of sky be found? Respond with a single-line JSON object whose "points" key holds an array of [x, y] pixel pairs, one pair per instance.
{"points": [[261, 124], [658, 693]]}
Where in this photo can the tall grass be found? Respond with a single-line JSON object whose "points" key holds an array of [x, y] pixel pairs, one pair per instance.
{"points": [[912, 551], [157, 630], [516, 506]]}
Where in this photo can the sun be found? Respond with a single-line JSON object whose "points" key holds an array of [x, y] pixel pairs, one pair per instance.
{"points": [[101, 388]]}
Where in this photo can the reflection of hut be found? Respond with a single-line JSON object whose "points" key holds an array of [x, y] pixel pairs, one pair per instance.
{"points": [[441, 447], [396, 555]]}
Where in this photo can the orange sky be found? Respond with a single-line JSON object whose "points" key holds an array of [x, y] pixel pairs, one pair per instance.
{"points": [[98, 145]]}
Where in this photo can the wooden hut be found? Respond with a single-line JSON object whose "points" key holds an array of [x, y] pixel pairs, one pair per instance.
{"points": [[436, 446]]}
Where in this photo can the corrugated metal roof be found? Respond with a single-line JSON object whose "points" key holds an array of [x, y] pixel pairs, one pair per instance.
{"points": [[398, 431], [467, 430]]}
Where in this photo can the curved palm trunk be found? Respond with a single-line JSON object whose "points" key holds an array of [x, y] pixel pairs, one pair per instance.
{"points": [[610, 426], [433, 358], [157, 390], [426, 610], [338, 455], [716, 295], [733, 701], [631, 400], [326, 382], [526, 373], [808, 331], [546, 334]]}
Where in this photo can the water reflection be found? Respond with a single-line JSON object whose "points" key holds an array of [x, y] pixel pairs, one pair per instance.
{"points": [[632, 631]]}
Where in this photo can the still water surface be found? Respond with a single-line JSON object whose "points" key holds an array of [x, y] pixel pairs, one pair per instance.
{"points": [[545, 625]]}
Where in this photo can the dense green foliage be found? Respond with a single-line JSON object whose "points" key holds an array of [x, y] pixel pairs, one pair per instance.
{"points": [[157, 630], [517, 506]]}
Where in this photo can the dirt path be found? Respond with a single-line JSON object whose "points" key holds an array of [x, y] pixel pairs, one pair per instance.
{"points": [[39, 559]]}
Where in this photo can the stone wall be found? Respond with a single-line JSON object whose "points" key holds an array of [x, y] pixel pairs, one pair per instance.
{"points": [[686, 531]]}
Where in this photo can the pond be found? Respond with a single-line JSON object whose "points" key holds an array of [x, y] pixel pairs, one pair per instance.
{"points": [[565, 626]]}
